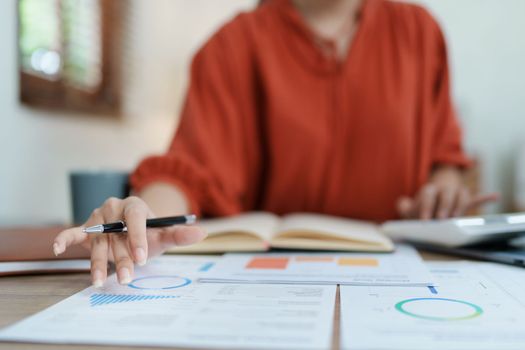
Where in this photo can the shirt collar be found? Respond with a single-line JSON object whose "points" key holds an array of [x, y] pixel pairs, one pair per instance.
{"points": [[305, 43]]}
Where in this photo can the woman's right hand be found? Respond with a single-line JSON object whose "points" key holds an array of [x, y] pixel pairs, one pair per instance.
{"points": [[124, 249]]}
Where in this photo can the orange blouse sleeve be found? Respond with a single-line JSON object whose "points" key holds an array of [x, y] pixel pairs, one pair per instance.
{"points": [[447, 145], [215, 155]]}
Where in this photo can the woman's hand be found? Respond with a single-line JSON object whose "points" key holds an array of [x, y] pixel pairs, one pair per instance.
{"points": [[124, 249], [442, 197]]}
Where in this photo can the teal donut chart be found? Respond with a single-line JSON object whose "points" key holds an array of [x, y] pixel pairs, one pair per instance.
{"points": [[476, 310]]}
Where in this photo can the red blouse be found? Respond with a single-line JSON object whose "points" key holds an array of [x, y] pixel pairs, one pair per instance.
{"points": [[272, 122]]}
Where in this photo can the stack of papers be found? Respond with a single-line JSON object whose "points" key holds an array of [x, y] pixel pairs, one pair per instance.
{"points": [[43, 266], [401, 268], [166, 306], [286, 301], [475, 306]]}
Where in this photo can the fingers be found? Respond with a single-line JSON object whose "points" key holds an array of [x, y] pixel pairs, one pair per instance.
{"points": [[68, 238], [441, 202], [482, 199], [427, 201], [75, 235], [406, 207], [99, 260], [126, 248], [462, 202], [180, 236], [466, 202], [135, 214], [446, 201], [123, 259], [112, 211]]}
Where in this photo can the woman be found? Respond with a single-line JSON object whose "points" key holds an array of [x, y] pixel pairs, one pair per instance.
{"points": [[340, 107]]}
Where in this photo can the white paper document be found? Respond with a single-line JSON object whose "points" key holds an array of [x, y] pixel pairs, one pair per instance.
{"points": [[476, 306], [403, 267], [165, 306], [43, 266]]}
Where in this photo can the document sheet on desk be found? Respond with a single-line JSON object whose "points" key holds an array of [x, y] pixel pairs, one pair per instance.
{"points": [[43, 266], [476, 306], [166, 306], [403, 267]]}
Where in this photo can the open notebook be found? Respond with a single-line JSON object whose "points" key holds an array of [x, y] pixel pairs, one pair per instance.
{"points": [[259, 231]]}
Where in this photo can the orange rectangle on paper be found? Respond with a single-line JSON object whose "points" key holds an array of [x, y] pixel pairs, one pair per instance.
{"points": [[268, 263], [314, 258], [358, 262]]}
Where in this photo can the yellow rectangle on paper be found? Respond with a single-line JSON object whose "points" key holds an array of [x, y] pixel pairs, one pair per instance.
{"points": [[358, 262]]}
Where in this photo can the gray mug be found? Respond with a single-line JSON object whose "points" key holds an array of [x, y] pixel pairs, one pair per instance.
{"points": [[89, 190]]}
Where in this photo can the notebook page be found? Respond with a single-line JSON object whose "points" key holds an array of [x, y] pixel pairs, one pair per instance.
{"points": [[261, 224], [342, 228]]}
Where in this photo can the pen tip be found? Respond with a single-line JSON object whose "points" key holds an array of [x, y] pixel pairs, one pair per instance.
{"points": [[191, 219]]}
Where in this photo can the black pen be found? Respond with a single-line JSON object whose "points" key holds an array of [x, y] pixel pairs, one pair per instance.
{"points": [[120, 226]]}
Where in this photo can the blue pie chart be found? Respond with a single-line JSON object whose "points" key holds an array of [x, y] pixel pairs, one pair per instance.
{"points": [[162, 282]]}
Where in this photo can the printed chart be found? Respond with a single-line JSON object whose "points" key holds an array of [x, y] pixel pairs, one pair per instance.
{"points": [[439, 309], [282, 263], [162, 282], [404, 267], [471, 307], [167, 306], [150, 286], [153, 287], [98, 299]]}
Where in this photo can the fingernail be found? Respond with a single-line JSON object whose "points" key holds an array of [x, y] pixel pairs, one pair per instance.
{"points": [[98, 284], [140, 256], [97, 279], [124, 276], [56, 249]]}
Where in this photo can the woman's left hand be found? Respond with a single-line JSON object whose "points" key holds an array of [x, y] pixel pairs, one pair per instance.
{"points": [[444, 196]]}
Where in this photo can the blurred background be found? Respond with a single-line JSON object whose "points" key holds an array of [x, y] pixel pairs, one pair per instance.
{"points": [[94, 84]]}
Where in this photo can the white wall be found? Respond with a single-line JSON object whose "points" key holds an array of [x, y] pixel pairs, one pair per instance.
{"points": [[487, 49], [38, 149]]}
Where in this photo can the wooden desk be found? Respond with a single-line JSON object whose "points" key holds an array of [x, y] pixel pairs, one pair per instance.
{"points": [[23, 296]]}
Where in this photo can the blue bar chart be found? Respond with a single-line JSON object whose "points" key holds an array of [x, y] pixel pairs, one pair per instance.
{"points": [[106, 299]]}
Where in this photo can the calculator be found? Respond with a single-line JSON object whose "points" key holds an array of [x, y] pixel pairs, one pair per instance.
{"points": [[458, 232]]}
